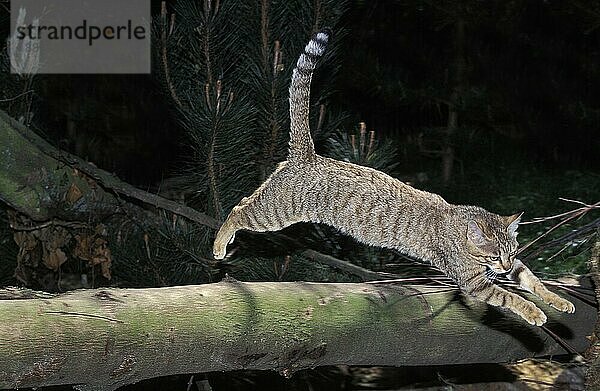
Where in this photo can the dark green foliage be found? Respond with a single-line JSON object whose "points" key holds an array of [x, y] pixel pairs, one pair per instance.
{"points": [[228, 66], [174, 253], [530, 72], [363, 148], [206, 75]]}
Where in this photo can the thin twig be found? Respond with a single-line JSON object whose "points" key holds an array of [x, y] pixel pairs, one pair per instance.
{"points": [[566, 246], [576, 202], [17, 96], [592, 226], [580, 296], [540, 382], [573, 286], [53, 222], [569, 216], [165, 58], [415, 280], [585, 209], [559, 340], [365, 274], [437, 291], [190, 383]]}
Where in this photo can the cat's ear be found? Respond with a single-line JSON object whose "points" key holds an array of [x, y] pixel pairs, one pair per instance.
{"points": [[512, 223], [475, 234]]}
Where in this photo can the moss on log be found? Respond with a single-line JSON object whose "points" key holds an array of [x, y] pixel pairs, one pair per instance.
{"points": [[41, 186]]}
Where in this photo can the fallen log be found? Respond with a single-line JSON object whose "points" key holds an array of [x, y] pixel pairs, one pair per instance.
{"points": [[105, 338]]}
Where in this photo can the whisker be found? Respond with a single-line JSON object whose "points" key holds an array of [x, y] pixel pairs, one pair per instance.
{"points": [[491, 275], [481, 284]]}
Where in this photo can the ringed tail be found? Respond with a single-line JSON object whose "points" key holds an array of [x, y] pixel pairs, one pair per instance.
{"points": [[301, 143]]}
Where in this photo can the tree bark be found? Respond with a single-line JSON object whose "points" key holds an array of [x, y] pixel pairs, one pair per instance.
{"points": [[107, 338]]}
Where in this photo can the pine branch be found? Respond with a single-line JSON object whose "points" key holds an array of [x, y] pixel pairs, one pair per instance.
{"points": [[264, 33], [164, 55], [210, 159], [271, 143]]}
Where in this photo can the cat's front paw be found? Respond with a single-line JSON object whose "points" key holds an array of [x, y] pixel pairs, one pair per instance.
{"points": [[532, 314], [561, 304]]}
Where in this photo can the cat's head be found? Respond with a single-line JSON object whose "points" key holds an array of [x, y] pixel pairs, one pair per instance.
{"points": [[492, 240]]}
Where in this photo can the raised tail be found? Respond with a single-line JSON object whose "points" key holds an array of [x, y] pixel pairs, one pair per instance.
{"points": [[301, 143]]}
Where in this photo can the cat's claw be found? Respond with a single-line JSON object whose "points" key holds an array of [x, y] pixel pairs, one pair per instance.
{"points": [[557, 302], [563, 305]]}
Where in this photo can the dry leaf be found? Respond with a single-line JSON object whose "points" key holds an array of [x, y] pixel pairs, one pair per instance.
{"points": [[73, 194], [53, 240], [54, 258], [94, 249], [25, 240]]}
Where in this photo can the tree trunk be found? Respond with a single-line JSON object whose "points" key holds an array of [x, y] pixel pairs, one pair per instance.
{"points": [[460, 67], [107, 338]]}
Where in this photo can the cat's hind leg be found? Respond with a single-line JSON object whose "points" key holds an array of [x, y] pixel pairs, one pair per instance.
{"points": [[265, 210], [226, 234]]}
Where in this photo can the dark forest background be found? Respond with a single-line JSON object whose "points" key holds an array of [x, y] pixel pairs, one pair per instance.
{"points": [[491, 103], [529, 90]]}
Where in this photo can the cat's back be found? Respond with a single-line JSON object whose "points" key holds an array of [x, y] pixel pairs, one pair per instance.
{"points": [[353, 179], [361, 201]]}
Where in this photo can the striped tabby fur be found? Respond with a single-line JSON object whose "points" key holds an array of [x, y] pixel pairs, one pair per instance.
{"points": [[468, 243]]}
